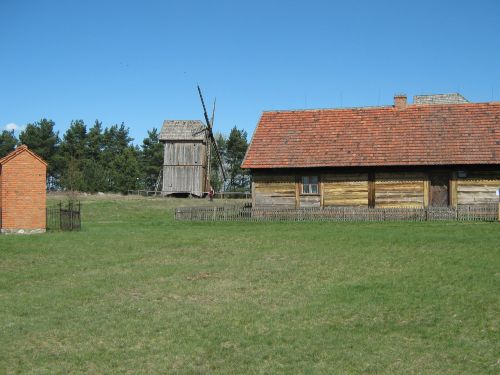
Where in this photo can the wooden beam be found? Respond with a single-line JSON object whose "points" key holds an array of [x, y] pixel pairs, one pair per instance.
{"points": [[322, 197], [297, 192], [453, 190], [253, 194], [371, 189], [426, 191]]}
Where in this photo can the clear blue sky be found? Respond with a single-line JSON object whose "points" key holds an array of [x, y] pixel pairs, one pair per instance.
{"points": [[138, 62]]}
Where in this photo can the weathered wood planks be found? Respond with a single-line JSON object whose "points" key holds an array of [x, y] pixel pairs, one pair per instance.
{"points": [[184, 167], [274, 191], [345, 189], [383, 190], [401, 189], [476, 191], [310, 201]]}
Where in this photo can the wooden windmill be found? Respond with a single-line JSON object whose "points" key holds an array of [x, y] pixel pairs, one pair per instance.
{"points": [[187, 155]]}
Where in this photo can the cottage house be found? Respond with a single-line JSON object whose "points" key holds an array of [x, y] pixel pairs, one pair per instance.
{"points": [[22, 192], [440, 150]]}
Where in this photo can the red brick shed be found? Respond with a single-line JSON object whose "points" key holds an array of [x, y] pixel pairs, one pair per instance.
{"points": [[23, 192]]}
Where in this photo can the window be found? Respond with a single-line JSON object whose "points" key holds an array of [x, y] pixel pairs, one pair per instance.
{"points": [[310, 185]]}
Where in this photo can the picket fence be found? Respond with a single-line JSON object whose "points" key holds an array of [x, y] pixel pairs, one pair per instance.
{"points": [[243, 213]]}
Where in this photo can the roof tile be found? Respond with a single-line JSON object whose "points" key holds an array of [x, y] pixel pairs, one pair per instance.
{"points": [[417, 135]]}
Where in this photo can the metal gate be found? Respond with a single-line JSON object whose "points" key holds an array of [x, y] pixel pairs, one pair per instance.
{"points": [[64, 218]]}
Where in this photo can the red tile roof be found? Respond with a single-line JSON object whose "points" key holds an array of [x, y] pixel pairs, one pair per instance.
{"points": [[416, 135]]}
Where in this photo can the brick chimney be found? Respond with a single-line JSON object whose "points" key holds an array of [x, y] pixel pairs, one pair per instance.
{"points": [[400, 101]]}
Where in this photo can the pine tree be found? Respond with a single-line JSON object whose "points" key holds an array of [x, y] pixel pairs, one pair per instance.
{"points": [[117, 151], [151, 159], [216, 180], [126, 170], [8, 142], [236, 148], [41, 139], [95, 140], [95, 172], [74, 142], [72, 152]]}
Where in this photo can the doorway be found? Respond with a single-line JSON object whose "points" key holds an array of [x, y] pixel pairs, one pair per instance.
{"points": [[439, 189]]}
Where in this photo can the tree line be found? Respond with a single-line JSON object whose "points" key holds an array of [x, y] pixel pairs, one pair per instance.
{"points": [[104, 159]]}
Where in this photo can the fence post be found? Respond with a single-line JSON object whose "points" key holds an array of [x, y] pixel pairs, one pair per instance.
{"points": [[60, 215]]}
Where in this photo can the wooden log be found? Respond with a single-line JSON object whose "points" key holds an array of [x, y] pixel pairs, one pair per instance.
{"points": [[426, 186]]}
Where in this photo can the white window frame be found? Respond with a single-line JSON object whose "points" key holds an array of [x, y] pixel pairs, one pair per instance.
{"points": [[308, 187]]}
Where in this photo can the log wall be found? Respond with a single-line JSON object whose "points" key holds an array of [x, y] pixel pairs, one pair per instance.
{"points": [[387, 190], [310, 201], [345, 189], [274, 191], [477, 189], [400, 189]]}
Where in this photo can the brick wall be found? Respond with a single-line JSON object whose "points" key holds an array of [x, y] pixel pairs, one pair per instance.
{"points": [[23, 193]]}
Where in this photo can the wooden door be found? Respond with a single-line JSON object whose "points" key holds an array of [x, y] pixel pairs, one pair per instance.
{"points": [[439, 189]]}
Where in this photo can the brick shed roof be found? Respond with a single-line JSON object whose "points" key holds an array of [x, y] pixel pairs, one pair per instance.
{"points": [[435, 134], [17, 151]]}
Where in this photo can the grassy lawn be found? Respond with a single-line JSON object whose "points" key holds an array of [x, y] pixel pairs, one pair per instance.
{"points": [[137, 292]]}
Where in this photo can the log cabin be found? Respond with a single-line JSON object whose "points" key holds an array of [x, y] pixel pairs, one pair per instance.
{"points": [[441, 150]]}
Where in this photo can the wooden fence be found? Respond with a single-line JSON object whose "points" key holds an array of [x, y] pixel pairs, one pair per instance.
{"points": [[242, 213], [217, 195], [145, 193], [233, 195]]}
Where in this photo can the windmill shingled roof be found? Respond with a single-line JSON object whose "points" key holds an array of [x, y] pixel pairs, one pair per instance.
{"points": [[176, 130]]}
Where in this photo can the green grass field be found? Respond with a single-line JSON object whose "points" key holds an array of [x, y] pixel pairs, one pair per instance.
{"points": [[137, 292]]}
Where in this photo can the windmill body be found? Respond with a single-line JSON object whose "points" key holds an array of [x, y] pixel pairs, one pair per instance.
{"points": [[185, 158], [187, 155]]}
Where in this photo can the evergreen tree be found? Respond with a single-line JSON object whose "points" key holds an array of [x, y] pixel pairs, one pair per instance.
{"points": [[216, 180], [95, 176], [41, 139], [236, 148], [74, 142], [72, 152], [126, 170], [72, 177], [115, 140], [8, 142], [151, 158], [116, 152], [95, 140], [96, 173]]}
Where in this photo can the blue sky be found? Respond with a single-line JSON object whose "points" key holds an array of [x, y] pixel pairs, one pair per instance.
{"points": [[138, 62]]}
